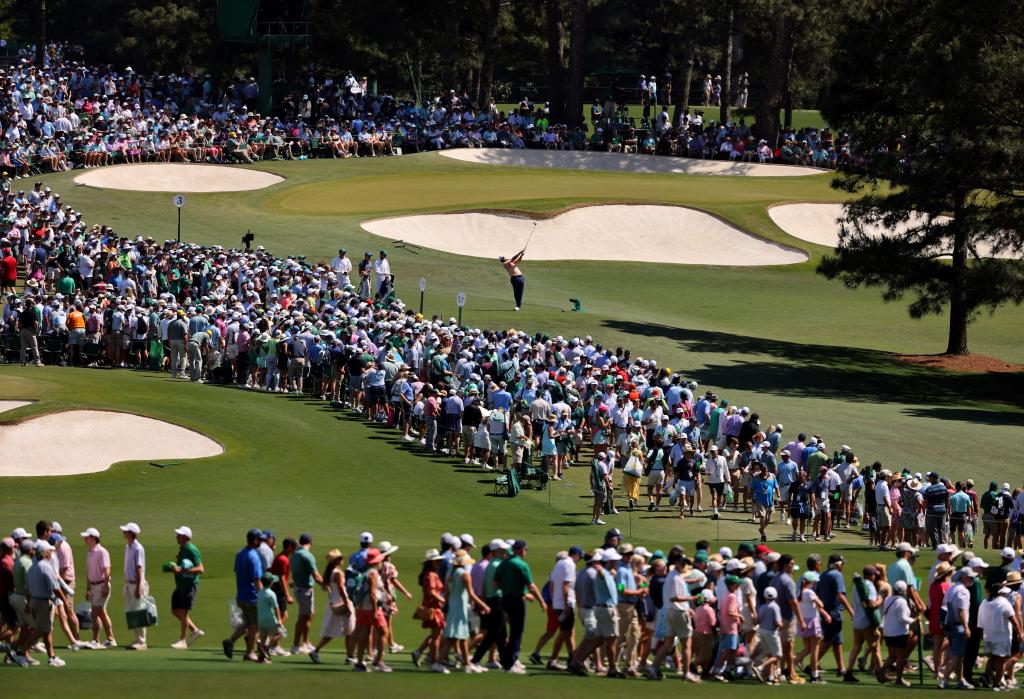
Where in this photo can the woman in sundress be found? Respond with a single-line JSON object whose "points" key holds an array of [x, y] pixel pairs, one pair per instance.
{"points": [[460, 596]]}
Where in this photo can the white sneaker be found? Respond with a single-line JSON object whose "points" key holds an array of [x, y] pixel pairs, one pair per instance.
{"points": [[516, 670], [39, 647], [296, 650], [308, 648], [180, 644], [407, 438], [195, 636], [396, 648], [278, 651], [55, 662], [137, 646], [598, 521], [110, 643], [439, 668]]}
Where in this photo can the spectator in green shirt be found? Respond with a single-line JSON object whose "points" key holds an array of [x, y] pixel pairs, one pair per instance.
{"points": [[188, 566], [514, 579], [305, 577]]}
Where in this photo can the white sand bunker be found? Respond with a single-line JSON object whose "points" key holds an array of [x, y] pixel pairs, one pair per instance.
{"points": [[87, 441], [818, 223], [6, 405], [620, 232], [617, 162], [177, 177]]}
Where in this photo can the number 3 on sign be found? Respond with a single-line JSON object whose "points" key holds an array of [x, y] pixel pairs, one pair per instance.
{"points": [[179, 200]]}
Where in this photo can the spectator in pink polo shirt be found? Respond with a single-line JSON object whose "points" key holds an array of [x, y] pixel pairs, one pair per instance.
{"points": [[97, 566]]}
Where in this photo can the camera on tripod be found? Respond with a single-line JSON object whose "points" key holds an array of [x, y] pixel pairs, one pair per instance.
{"points": [[247, 240]]}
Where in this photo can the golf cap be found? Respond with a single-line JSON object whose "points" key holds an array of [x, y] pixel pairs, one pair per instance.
{"points": [[612, 533], [773, 557], [977, 563], [184, 531], [268, 534], [519, 545], [131, 527], [8, 542], [904, 547], [91, 531], [575, 551], [836, 558], [467, 540], [611, 555], [770, 593], [55, 527], [42, 546], [19, 534], [725, 552], [500, 545], [253, 534], [1008, 553], [366, 538], [967, 572], [305, 538]]}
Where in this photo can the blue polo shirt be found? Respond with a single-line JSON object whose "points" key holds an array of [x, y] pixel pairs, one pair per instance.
{"points": [[764, 490], [248, 569]]}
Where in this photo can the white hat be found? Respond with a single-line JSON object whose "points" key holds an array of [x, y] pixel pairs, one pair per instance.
{"points": [[641, 551], [770, 593], [19, 534], [1008, 553], [714, 566], [91, 531], [734, 564], [42, 546], [901, 587], [904, 547], [131, 527], [725, 552], [55, 527], [977, 563], [184, 531], [366, 538], [498, 545], [467, 539], [611, 555]]}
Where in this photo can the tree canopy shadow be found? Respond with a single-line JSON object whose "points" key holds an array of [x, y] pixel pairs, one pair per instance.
{"points": [[827, 371]]}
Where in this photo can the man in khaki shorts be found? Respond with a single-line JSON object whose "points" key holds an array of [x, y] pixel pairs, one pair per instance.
{"points": [[97, 566], [677, 598]]}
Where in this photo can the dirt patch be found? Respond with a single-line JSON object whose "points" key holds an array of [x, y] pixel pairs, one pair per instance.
{"points": [[966, 363], [177, 177]]}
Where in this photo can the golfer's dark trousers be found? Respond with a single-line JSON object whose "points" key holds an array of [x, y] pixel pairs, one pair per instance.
{"points": [[518, 284], [493, 626], [515, 611]]}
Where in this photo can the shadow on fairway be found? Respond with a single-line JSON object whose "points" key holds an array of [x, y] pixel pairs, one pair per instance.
{"points": [[845, 373]]}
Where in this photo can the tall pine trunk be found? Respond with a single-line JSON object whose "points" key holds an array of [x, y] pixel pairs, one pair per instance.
{"points": [[488, 60], [730, 14], [775, 79], [574, 95], [684, 78], [556, 59], [959, 308]]}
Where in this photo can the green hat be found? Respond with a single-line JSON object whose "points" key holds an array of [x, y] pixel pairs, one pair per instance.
{"points": [[658, 553], [269, 578], [701, 556], [169, 566], [732, 580]]}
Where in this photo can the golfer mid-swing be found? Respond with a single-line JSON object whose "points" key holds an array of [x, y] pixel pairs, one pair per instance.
{"points": [[515, 274]]}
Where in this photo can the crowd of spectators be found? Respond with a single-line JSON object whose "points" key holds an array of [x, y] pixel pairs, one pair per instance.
{"points": [[66, 113]]}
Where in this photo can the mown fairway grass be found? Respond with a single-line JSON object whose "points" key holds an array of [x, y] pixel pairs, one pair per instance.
{"points": [[296, 465], [782, 340]]}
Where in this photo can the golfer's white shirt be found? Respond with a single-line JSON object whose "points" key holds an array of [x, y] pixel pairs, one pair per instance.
{"points": [[382, 269], [342, 266]]}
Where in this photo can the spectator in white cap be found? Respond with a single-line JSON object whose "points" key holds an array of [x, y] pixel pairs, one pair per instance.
{"points": [[42, 592], [467, 541], [136, 587], [97, 566], [188, 566], [357, 560]]}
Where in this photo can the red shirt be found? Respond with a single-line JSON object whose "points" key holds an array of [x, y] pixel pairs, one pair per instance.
{"points": [[282, 568], [10, 268]]}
